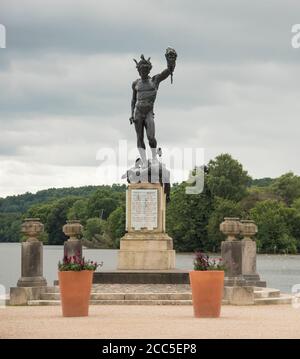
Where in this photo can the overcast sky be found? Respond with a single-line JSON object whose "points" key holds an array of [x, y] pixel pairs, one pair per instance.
{"points": [[66, 74]]}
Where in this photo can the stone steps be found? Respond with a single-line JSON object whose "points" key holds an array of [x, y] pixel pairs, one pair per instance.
{"points": [[262, 296], [54, 289], [52, 293], [282, 299], [117, 302], [132, 295], [266, 293], [127, 296]]}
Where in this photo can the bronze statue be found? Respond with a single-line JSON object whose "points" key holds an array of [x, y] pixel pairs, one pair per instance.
{"points": [[143, 98]]}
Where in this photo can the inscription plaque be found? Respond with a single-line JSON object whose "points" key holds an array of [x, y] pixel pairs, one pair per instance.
{"points": [[144, 209]]}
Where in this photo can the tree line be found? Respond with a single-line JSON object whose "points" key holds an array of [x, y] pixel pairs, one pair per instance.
{"points": [[192, 219]]}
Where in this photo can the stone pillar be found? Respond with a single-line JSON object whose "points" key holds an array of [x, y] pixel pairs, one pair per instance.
{"points": [[32, 255], [248, 230], [146, 245], [73, 246], [239, 256]]}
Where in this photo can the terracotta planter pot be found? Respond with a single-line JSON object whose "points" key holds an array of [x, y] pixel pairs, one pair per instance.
{"points": [[75, 290], [207, 293]]}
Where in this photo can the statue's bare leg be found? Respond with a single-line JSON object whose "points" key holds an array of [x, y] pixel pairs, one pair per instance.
{"points": [[150, 130], [139, 128]]}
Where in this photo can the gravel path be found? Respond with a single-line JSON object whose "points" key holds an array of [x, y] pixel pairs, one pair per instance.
{"points": [[279, 321]]}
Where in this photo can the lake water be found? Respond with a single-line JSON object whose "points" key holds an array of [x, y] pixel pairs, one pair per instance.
{"points": [[280, 271]]}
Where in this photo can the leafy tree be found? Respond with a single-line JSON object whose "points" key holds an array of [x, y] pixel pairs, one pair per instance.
{"points": [[274, 233], [116, 224], [187, 218], [79, 211], [10, 226], [57, 218], [21, 203], [255, 195], [287, 187], [121, 188], [95, 234], [286, 244], [94, 227], [222, 208], [44, 237], [292, 219], [227, 178], [104, 202], [40, 211], [296, 205], [262, 182]]}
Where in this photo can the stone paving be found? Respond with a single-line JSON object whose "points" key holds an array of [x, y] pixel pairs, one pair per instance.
{"points": [[107, 322]]}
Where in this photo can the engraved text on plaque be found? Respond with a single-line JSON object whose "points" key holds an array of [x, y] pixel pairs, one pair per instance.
{"points": [[144, 208]]}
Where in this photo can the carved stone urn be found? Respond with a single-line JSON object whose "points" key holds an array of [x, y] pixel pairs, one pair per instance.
{"points": [[32, 227], [230, 227], [248, 229], [73, 246], [73, 230]]}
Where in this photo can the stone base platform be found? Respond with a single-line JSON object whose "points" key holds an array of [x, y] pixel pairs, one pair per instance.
{"points": [[160, 294], [146, 251], [21, 295]]}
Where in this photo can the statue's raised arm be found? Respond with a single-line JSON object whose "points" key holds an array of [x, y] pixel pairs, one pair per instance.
{"points": [[171, 57]]}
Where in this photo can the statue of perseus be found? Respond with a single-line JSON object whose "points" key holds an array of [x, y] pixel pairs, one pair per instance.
{"points": [[144, 91]]}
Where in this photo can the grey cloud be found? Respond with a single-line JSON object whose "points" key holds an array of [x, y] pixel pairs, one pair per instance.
{"points": [[214, 31], [65, 83]]}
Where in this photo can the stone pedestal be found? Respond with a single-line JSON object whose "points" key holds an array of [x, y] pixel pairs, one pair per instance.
{"points": [[73, 246], [146, 245], [32, 265], [239, 258]]}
